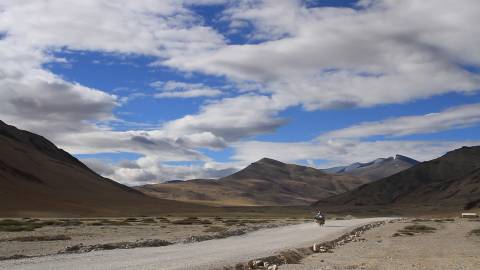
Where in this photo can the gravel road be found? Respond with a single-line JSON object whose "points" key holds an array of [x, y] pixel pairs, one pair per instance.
{"points": [[201, 255]]}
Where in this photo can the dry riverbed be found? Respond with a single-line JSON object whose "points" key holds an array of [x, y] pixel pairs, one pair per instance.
{"points": [[410, 244], [39, 237]]}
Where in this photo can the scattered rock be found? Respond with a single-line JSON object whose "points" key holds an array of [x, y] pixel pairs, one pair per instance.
{"points": [[272, 267], [318, 248]]}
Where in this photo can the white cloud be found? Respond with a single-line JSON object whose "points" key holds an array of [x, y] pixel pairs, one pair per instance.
{"points": [[452, 118], [175, 89], [150, 170], [230, 118], [161, 28], [387, 52]]}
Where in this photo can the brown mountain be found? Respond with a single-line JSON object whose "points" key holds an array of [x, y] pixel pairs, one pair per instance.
{"points": [[38, 179], [452, 180], [265, 182], [377, 169]]}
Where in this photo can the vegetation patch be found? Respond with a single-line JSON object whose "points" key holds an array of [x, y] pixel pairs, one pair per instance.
{"points": [[70, 222], [11, 225], [438, 220], [163, 219], [27, 224], [475, 232], [80, 248], [215, 229], [411, 230], [13, 257], [40, 238], [243, 222], [192, 221], [148, 220], [107, 222]]}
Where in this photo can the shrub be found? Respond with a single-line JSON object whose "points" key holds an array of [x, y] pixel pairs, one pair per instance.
{"points": [[475, 232], [39, 238], [11, 225], [192, 221], [148, 220], [215, 229], [414, 229]]}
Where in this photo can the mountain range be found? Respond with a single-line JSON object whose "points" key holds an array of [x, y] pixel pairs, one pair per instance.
{"points": [[265, 182]]}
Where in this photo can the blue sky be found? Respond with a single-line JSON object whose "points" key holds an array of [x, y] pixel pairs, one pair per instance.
{"points": [[175, 90]]}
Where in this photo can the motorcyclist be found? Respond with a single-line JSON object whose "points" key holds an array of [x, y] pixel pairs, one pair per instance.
{"points": [[320, 217]]}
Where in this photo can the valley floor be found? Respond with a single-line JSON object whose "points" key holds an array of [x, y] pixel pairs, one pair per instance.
{"points": [[214, 254], [450, 245], [39, 237]]}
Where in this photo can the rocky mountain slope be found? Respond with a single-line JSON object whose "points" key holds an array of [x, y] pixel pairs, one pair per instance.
{"points": [[452, 180], [39, 179]]}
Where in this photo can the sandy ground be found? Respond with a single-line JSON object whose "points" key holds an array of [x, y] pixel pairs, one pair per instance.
{"points": [[201, 255], [87, 234], [449, 247]]}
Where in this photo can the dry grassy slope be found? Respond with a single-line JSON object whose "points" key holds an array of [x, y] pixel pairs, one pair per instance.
{"points": [[265, 182], [37, 178], [451, 180]]}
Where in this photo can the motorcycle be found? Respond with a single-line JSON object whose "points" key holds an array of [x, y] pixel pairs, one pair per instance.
{"points": [[320, 220]]}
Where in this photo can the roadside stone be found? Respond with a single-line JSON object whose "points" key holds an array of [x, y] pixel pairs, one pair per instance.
{"points": [[272, 267]]}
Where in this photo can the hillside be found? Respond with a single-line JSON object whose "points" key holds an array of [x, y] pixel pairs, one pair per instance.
{"points": [[452, 180], [265, 182], [39, 179], [377, 169]]}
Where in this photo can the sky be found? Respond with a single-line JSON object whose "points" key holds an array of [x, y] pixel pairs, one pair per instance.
{"points": [[148, 91]]}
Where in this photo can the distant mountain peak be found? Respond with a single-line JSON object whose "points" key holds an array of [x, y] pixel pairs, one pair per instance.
{"points": [[406, 159], [376, 169], [271, 161]]}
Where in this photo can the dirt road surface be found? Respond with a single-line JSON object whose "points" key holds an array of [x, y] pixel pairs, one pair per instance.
{"points": [[202, 255]]}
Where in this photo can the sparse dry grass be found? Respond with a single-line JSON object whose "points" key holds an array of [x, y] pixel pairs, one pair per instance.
{"points": [[26, 224], [163, 219], [11, 225], [475, 232], [148, 220], [414, 229], [108, 222], [215, 229], [40, 238], [438, 220], [192, 221], [243, 222]]}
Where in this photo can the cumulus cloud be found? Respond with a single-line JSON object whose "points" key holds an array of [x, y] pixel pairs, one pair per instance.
{"points": [[231, 118], [148, 170], [385, 52], [161, 28], [174, 89], [452, 118]]}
